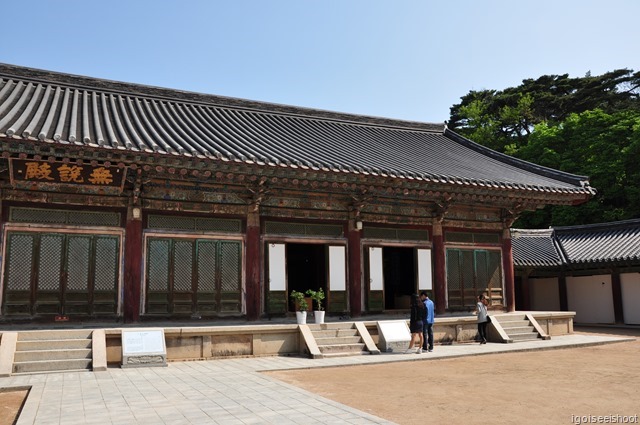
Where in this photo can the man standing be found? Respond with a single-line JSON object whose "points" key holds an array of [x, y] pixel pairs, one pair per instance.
{"points": [[427, 344]]}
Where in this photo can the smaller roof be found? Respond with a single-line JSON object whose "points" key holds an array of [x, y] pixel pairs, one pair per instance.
{"points": [[602, 243], [535, 248], [598, 243]]}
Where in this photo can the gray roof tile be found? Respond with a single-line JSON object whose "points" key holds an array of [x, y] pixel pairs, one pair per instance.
{"points": [[45, 106]]}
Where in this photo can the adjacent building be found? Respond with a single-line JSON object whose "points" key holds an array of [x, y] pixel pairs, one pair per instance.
{"points": [[127, 202], [593, 270]]}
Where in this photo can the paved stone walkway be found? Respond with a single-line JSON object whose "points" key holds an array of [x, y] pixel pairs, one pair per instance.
{"points": [[230, 391]]}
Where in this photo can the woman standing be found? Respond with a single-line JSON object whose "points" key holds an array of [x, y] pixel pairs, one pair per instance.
{"points": [[416, 323], [483, 318]]}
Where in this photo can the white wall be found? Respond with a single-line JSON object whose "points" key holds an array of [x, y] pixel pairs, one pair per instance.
{"points": [[630, 287], [544, 294], [591, 298]]}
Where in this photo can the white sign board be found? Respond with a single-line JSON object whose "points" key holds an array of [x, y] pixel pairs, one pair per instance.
{"points": [[143, 348], [277, 267], [393, 335], [376, 276], [425, 279], [337, 268]]}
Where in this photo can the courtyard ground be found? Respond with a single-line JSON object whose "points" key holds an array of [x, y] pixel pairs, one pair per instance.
{"points": [[557, 386]]}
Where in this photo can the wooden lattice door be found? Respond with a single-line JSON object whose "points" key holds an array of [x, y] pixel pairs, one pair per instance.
{"points": [[61, 274], [187, 276]]}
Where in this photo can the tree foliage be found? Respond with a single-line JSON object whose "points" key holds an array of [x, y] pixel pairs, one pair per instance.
{"points": [[588, 126]]}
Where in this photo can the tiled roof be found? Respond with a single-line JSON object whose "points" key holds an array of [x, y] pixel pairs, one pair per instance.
{"points": [[535, 248], [597, 243], [48, 107], [604, 243]]}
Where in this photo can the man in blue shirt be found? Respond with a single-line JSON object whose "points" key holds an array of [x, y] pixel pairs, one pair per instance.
{"points": [[427, 331]]}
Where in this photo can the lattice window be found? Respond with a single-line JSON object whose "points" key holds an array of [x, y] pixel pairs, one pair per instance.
{"points": [[469, 237], [206, 266], [395, 234], [50, 262], [19, 262], [301, 229], [182, 265], [106, 264], [77, 218], [78, 251], [170, 222], [219, 225], [158, 264], [230, 266]]}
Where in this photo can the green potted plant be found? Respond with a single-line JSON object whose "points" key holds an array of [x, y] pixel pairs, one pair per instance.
{"points": [[301, 306], [318, 297]]}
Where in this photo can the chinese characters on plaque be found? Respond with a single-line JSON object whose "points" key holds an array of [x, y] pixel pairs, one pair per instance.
{"points": [[59, 172]]}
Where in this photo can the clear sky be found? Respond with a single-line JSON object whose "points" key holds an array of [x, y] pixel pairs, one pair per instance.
{"points": [[406, 59]]}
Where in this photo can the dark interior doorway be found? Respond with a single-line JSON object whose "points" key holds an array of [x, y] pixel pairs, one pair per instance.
{"points": [[399, 277], [306, 268]]}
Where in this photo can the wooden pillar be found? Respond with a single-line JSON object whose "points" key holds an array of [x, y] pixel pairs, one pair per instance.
{"points": [[507, 266], [252, 265], [616, 289], [355, 269], [132, 265], [562, 288], [439, 269]]}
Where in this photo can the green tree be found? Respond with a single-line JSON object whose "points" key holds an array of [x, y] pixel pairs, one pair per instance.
{"points": [[603, 146]]}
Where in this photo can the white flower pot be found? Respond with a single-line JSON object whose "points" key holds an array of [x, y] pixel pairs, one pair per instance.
{"points": [[319, 316], [301, 317]]}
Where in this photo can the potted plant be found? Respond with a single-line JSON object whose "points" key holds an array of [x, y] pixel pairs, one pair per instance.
{"points": [[317, 296], [301, 306]]}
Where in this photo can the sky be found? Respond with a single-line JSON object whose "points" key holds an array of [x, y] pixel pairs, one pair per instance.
{"points": [[403, 59]]}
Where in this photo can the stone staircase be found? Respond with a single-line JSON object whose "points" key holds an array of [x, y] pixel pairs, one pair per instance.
{"points": [[518, 327], [338, 339], [47, 351]]}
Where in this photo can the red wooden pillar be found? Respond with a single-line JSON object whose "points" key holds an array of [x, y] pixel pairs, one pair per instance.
{"points": [[507, 266], [439, 269], [562, 289], [252, 265], [132, 265], [355, 269]]}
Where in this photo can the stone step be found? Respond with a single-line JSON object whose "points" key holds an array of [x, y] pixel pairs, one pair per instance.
{"points": [[341, 348], [327, 326], [509, 317], [53, 344], [57, 334], [338, 340], [51, 365], [350, 353], [514, 324], [334, 333], [520, 330], [46, 355], [523, 336]]}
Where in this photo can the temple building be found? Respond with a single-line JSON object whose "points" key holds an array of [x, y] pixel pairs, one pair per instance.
{"points": [[125, 202]]}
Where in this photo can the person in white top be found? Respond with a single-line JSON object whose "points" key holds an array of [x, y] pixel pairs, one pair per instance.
{"points": [[483, 318]]}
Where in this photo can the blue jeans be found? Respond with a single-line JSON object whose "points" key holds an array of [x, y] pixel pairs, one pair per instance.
{"points": [[428, 336]]}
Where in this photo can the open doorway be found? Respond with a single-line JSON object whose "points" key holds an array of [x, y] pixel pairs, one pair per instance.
{"points": [[306, 268], [399, 277]]}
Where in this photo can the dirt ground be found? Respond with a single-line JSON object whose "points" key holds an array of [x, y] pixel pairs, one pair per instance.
{"points": [[10, 404], [544, 387]]}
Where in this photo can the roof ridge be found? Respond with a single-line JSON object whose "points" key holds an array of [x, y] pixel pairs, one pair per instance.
{"points": [[598, 226], [575, 179], [186, 96]]}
